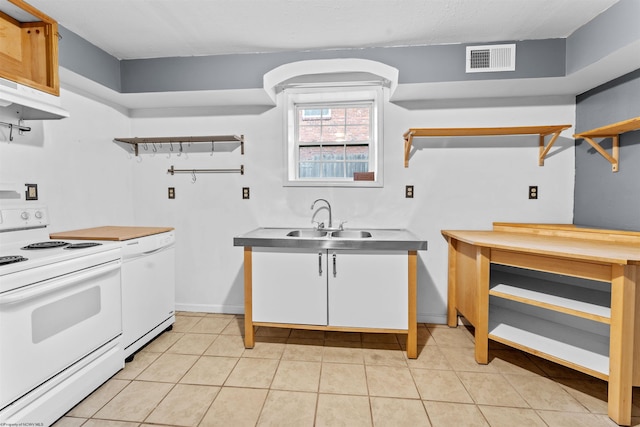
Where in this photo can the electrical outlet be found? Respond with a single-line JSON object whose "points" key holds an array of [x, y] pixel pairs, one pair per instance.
{"points": [[408, 192], [172, 192], [32, 192], [245, 192], [533, 191]]}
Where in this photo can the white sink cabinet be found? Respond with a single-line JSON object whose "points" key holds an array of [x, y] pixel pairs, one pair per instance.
{"points": [[289, 287], [368, 290], [343, 288], [346, 290]]}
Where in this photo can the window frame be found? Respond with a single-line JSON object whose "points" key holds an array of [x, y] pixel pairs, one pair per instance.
{"points": [[326, 98]]}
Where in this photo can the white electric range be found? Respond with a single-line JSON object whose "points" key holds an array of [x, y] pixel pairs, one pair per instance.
{"points": [[60, 317]]}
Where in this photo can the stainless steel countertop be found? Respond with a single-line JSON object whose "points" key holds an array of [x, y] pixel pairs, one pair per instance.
{"points": [[381, 239]]}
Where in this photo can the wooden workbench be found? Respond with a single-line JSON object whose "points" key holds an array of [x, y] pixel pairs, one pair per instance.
{"points": [[561, 292]]}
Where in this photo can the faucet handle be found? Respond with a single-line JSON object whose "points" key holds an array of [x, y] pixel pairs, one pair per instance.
{"points": [[319, 225], [342, 223]]}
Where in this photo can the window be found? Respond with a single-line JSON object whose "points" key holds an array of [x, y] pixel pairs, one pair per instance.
{"points": [[332, 134]]}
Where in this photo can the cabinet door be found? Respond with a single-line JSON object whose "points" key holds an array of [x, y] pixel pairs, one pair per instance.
{"points": [[369, 289], [289, 286]]}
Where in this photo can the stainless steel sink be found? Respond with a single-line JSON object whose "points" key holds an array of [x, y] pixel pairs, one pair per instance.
{"points": [[307, 233], [351, 234]]}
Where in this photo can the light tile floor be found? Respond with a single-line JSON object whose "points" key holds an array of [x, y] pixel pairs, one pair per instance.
{"points": [[200, 374]]}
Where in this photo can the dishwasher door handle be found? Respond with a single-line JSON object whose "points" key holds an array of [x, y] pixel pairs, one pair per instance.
{"points": [[135, 255]]}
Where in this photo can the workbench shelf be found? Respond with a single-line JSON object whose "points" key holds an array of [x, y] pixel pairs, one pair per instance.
{"points": [[612, 131], [526, 328], [541, 131], [588, 300], [176, 144]]}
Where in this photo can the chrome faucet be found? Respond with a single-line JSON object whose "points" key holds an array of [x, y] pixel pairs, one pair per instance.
{"points": [[328, 205]]}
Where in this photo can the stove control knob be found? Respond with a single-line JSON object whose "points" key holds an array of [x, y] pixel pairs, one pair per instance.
{"points": [[24, 215], [38, 214]]}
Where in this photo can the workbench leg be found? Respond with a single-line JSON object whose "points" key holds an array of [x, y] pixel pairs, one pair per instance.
{"points": [[623, 301], [482, 324], [249, 338], [412, 335], [452, 311]]}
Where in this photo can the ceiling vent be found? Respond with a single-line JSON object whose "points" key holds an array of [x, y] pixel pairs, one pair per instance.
{"points": [[492, 58]]}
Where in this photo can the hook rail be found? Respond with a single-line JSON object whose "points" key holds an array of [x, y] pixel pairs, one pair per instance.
{"points": [[173, 171], [11, 126]]}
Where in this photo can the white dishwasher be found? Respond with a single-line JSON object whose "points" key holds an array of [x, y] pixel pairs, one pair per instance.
{"points": [[148, 289]]}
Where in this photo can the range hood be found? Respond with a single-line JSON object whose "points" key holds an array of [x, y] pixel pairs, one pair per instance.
{"points": [[30, 103]]}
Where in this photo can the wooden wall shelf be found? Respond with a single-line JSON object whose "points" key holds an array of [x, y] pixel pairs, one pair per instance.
{"points": [[182, 139], [542, 131], [612, 131]]}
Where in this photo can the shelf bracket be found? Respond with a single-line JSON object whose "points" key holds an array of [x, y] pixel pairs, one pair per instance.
{"points": [[612, 158], [545, 150], [612, 131], [408, 140]]}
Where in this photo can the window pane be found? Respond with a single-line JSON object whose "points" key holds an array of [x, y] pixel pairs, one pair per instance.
{"points": [[309, 133], [356, 167], [357, 133], [358, 115], [357, 152], [315, 114], [310, 153], [333, 152], [333, 170], [309, 170], [333, 133]]}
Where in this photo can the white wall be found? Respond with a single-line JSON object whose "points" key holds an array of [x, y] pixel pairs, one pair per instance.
{"points": [[82, 176], [459, 184], [87, 180]]}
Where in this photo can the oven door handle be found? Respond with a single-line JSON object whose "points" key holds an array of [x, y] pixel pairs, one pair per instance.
{"points": [[56, 284]]}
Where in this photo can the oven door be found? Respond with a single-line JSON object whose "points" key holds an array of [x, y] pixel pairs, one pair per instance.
{"points": [[47, 326]]}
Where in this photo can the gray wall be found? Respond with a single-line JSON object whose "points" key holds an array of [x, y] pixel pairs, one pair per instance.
{"points": [[78, 55], [603, 198], [416, 64], [615, 28]]}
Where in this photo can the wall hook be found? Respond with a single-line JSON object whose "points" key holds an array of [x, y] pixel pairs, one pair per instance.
{"points": [[21, 128], [193, 177]]}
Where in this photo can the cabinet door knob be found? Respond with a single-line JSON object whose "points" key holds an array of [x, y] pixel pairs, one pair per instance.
{"points": [[335, 272], [319, 263]]}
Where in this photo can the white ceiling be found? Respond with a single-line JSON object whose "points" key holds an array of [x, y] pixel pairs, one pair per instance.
{"points": [[132, 29]]}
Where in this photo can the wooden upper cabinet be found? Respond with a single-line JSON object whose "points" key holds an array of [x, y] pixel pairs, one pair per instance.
{"points": [[28, 46]]}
